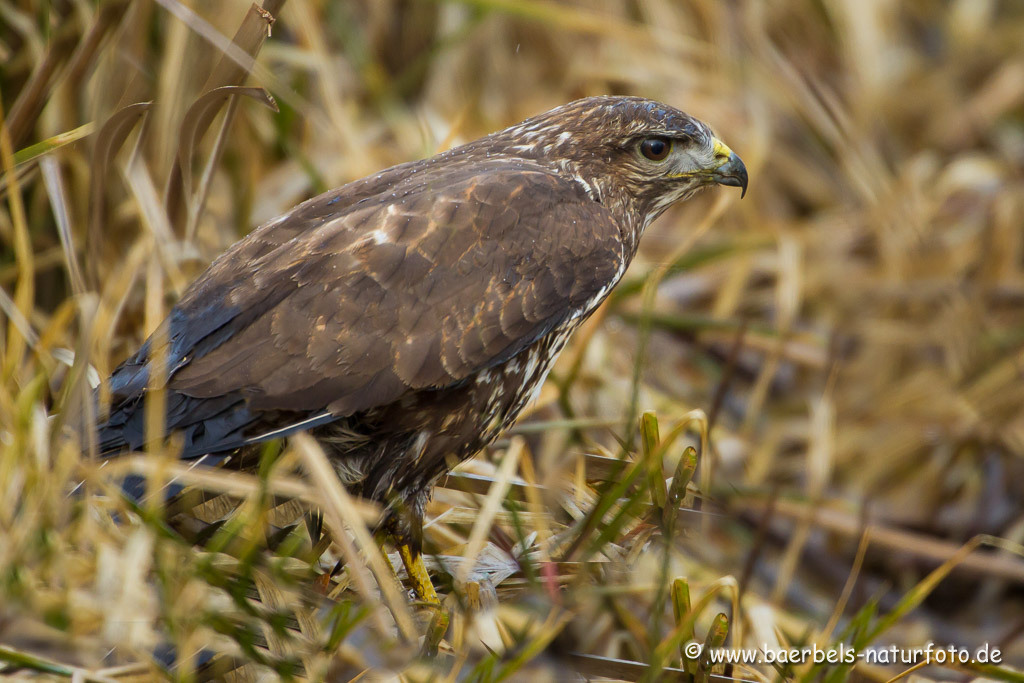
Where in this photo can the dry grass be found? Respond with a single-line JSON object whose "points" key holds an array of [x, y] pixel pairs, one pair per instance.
{"points": [[852, 331]]}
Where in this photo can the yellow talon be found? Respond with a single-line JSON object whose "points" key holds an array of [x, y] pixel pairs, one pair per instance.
{"points": [[417, 571], [424, 589]]}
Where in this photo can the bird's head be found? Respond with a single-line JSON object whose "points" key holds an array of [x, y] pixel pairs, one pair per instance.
{"points": [[633, 150]]}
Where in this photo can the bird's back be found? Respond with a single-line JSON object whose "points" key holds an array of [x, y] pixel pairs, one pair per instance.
{"points": [[411, 280]]}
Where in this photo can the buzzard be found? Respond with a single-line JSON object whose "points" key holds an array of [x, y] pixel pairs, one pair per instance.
{"points": [[406, 319]]}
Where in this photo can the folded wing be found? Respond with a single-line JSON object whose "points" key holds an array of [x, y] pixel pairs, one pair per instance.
{"points": [[346, 306]]}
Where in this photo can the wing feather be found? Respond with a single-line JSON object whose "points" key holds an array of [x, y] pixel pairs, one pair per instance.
{"points": [[348, 304]]}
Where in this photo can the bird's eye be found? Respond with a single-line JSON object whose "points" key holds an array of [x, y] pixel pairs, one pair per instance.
{"points": [[656, 149]]}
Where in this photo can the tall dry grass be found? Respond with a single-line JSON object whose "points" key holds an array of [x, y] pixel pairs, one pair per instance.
{"points": [[849, 338]]}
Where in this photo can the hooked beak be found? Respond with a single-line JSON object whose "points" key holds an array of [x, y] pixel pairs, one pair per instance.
{"points": [[731, 170]]}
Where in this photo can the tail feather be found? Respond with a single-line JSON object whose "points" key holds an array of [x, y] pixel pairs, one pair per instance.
{"points": [[208, 425]]}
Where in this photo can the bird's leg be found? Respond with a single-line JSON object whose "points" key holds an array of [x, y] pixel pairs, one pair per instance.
{"points": [[421, 584], [405, 526], [417, 571]]}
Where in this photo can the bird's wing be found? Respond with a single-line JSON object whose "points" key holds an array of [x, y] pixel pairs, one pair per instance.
{"points": [[204, 317], [449, 273]]}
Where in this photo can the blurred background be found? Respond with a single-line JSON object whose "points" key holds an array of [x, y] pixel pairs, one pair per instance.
{"points": [[853, 330]]}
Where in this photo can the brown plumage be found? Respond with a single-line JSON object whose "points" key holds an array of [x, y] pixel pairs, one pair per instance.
{"points": [[406, 318]]}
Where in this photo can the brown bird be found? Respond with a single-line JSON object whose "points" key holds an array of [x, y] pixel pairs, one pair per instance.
{"points": [[406, 319]]}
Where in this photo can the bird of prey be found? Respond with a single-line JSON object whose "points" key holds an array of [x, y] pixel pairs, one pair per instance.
{"points": [[406, 319]]}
